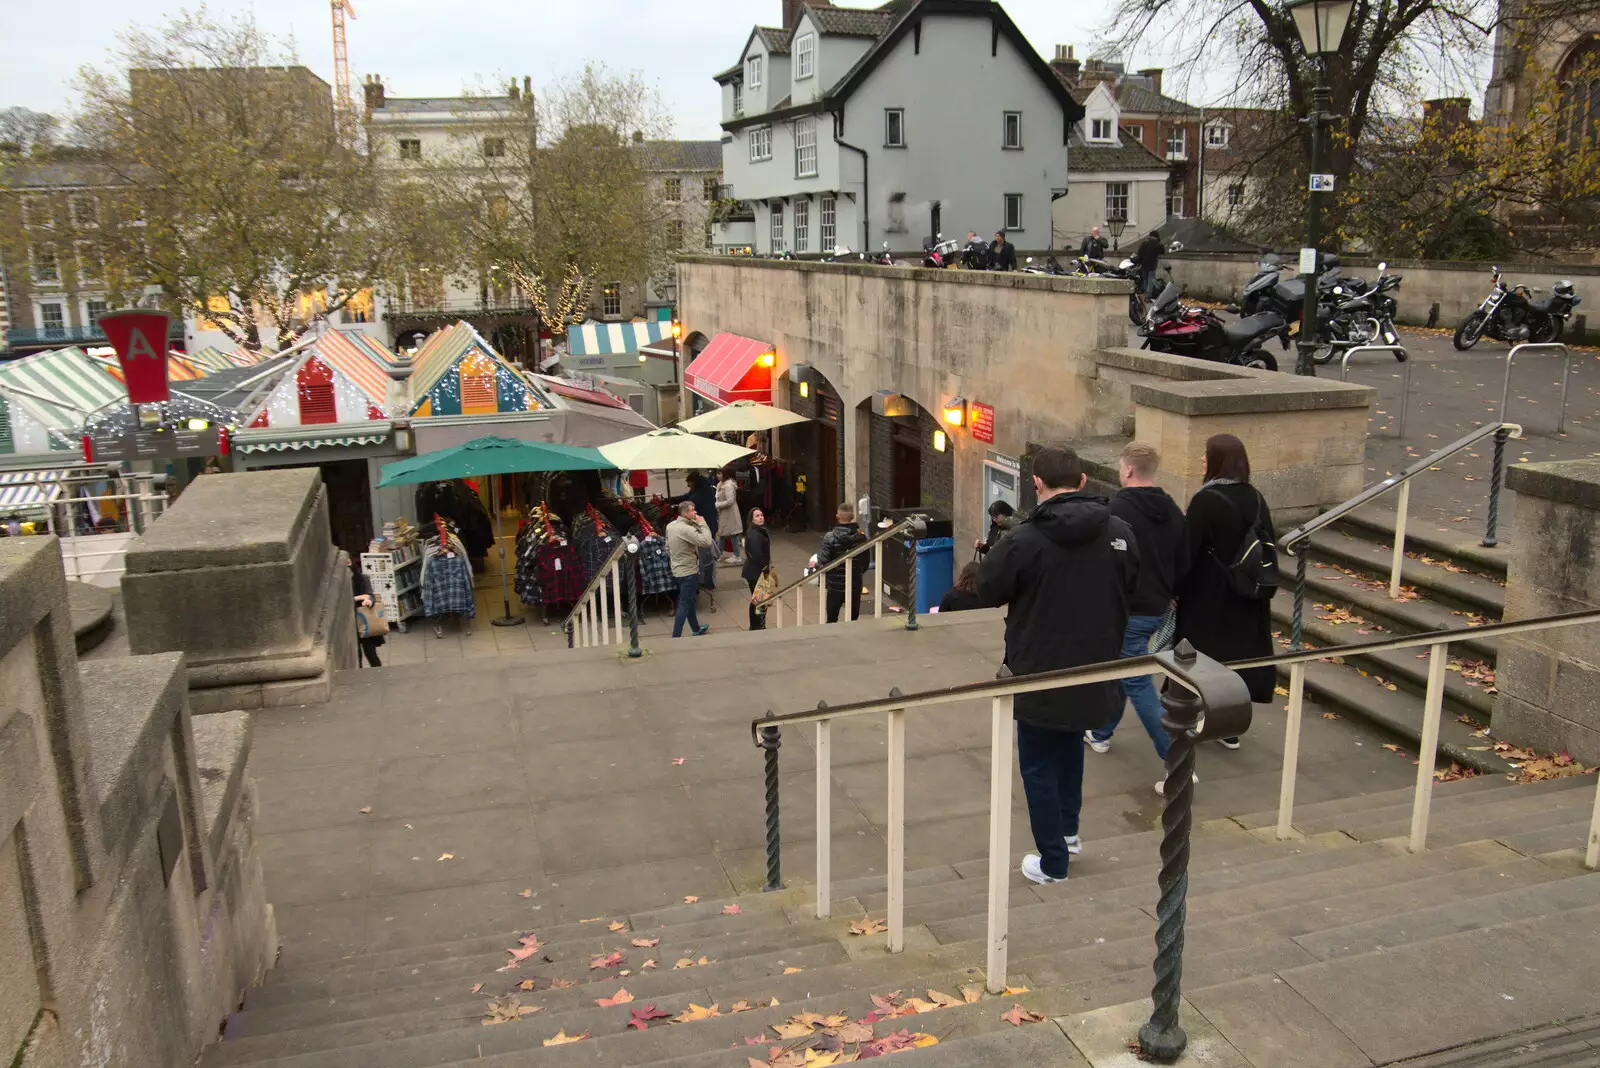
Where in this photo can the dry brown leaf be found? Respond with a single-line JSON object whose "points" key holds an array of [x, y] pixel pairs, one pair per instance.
{"points": [[616, 925], [816, 1058], [562, 984], [791, 1030], [525, 893], [854, 1032], [1019, 1016], [646, 943], [1330, 715], [868, 926], [696, 1012], [683, 962], [365, 811], [526, 984], [971, 993], [1015, 991], [507, 1010], [621, 997], [689, 899], [944, 1001], [647, 964], [562, 1038], [922, 1041], [791, 971], [741, 1006], [918, 1005], [477, 987], [703, 961], [608, 960], [731, 910], [446, 856], [1392, 747]]}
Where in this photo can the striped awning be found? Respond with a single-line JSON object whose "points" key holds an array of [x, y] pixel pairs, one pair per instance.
{"points": [[61, 388], [211, 358], [27, 489], [355, 362], [614, 339]]}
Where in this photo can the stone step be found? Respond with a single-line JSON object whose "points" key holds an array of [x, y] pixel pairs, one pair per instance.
{"points": [[1369, 599], [1462, 546], [1487, 820], [1464, 590], [1385, 799], [1570, 1045], [1505, 792]]}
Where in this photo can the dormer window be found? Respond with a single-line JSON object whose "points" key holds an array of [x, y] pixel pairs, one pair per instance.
{"points": [[1102, 130], [805, 55], [1217, 136], [752, 72]]}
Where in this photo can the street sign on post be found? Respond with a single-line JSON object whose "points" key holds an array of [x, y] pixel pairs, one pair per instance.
{"points": [[140, 340], [1322, 183]]}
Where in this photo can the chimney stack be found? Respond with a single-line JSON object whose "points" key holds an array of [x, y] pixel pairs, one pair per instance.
{"points": [[512, 90], [1065, 65], [372, 89], [527, 86], [1153, 75], [793, 9]]}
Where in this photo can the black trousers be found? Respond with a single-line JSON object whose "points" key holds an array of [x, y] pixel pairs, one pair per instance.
{"points": [[369, 649], [836, 602]]}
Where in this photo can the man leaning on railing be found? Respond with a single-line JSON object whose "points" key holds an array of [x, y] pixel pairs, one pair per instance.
{"points": [[1065, 574]]}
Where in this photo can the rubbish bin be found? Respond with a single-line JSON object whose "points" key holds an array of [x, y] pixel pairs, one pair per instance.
{"points": [[935, 565], [935, 571]]}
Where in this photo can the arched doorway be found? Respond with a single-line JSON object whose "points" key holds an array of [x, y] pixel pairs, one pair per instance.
{"points": [[910, 459], [814, 450]]}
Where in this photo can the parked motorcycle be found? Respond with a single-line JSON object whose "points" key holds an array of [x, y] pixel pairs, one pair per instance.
{"points": [[1050, 266], [941, 253], [1510, 314], [1177, 330], [881, 257]]}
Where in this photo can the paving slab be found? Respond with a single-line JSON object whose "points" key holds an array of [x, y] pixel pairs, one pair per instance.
{"points": [[1267, 1021], [1103, 1037]]}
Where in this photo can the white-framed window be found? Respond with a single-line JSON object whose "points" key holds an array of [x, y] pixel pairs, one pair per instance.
{"points": [[1100, 129], [92, 310], [1011, 131], [776, 227], [90, 269], [675, 233], [752, 72], [1236, 195], [802, 226], [1175, 201], [1217, 136], [672, 190], [738, 100], [36, 212], [805, 55], [1013, 214], [894, 127], [1134, 130], [611, 300], [84, 210], [46, 265], [1177, 143], [760, 143], [1117, 200], [494, 147], [805, 147], [709, 187], [830, 223], [52, 318], [410, 148]]}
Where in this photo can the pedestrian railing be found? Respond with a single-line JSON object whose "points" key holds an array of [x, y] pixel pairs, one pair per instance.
{"points": [[847, 562], [94, 515], [596, 617], [1566, 375], [1399, 352], [1208, 701], [1297, 541]]}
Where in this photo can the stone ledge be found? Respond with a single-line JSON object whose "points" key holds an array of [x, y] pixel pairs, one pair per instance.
{"points": [[253, 518], [30, 577], [222, 752], [1001, 279], [1272, 391], [1565, 481], [130, 704], [1179, 368]]}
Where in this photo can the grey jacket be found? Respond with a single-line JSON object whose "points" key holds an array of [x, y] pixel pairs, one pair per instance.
{"points": [[684, 542]]}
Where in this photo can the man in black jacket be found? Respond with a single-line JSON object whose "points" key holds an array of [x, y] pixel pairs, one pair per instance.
{"points": [[1149, 255], [835, 543], [1158, 527], [1066, 574], [1002, 254], [1094, 246]]}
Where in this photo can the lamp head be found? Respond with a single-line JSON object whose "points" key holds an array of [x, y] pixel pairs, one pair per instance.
{"points": [[1320, 23]]}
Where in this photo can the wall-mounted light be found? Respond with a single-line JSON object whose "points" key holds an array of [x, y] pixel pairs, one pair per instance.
{"points": [[768, 358], [402, 438], [955, 411], [642, 357], [805, 389], [677, 330], [939, 441]]}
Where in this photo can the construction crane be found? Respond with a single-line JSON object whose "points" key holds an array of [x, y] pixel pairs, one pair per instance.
{"points": [[341, 57]]}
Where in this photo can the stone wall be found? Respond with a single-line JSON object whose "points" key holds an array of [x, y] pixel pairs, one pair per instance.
{"points": [[242, 576], [132, 910], [1549, 681]]}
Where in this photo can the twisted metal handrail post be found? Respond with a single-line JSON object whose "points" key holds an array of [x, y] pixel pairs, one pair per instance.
{"points": [[634, 652], [1490, 534], [769, 742], [1299, 595]]}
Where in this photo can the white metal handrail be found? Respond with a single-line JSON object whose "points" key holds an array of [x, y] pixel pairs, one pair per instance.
{"points": [[1001, 693], [98, 556], [1405, 374], [589, 623], [1566, 375], [847, 562]]}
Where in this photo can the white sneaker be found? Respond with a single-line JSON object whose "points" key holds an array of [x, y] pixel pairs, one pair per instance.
{"points": [[1228, 743], [1074, 844], [1096, 744], [1161, 787], [1033, 871]]}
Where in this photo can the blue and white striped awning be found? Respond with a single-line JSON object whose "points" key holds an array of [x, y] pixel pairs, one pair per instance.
{"points": [[614, 339], [21, 490]]}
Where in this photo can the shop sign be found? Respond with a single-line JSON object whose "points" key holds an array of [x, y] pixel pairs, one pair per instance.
{"points": [[140, 338], [982, 423], [155, 445]]}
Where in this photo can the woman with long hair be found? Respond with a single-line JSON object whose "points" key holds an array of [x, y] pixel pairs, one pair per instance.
{"points": [[1212, 615]]}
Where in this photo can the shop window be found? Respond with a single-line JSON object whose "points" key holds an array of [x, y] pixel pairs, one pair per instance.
{"points": [[478, 394], [830, 223]]}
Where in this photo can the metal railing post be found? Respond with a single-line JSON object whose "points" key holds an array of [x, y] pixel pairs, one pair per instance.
{"points": [[824, 819], [1402, 511], [1001, 734], [877, 581], [602, 610], [1566, 374], [897, 829], [569, 634], [771, 740], [1490, 534], [634, 652], [1299, 594], [1405, 375], [911, 602], [822, 597], [850, 595], [1291, 750], [616, 594], [1428, 752], [1591, 856]]}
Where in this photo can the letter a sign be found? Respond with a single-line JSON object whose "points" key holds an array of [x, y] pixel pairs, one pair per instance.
{"points": [[140, 338]]}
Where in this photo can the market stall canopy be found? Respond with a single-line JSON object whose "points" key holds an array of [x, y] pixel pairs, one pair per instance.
{"points": [[456, 372], [48, 396], [671, 449], [212, 359], [492, 456], [609, 339], [732, 368], [743, 416]]}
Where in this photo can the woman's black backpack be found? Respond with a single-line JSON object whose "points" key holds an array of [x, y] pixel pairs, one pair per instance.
{"points": [[1253, 568]]}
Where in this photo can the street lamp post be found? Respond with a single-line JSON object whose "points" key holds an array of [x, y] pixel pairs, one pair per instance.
{"points": [[1321, 25], [1116, 226]]}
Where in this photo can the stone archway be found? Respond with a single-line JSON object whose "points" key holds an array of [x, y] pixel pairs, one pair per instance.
{"points": [[909, 458], [814, 449]]}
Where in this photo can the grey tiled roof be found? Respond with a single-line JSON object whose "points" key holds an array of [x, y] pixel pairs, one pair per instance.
{"points": [[775, 39], [30, 175], [853, 22], [414, 104], [684, 155], [1136, 99], [1130, 155]]}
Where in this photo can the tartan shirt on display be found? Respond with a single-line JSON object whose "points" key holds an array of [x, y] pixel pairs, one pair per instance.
{"points": [[558, 572], [655, 566], [447, 586]]}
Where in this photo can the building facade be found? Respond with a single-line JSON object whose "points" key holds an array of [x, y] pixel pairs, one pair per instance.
{"points": [[857, 128], [1117, 183]]}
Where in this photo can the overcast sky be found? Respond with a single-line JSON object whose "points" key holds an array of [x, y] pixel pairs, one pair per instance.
{"points": [[428, 47]]}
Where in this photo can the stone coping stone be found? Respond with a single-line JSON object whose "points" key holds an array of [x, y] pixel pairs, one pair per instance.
{"points": [[90, 606], [29, 578], [222, 755], [1181, 368], [130, 703], [1108, 287], [1563, 481], [1272, 391], [229, 520]]}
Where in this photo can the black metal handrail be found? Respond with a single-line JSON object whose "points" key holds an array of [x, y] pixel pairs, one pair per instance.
{"points": [[899, 528]]}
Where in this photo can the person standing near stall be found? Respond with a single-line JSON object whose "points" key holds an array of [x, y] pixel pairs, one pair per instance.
{"points": [[757, 561], [687, 537], [361, 587], [729, 525]]}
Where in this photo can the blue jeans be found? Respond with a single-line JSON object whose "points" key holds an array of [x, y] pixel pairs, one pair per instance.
{"points": [[1141, 690], [1052, 780], [688, 590]]}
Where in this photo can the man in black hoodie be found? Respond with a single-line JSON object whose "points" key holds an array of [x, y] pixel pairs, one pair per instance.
{"points": [[1066, 574], [836, 543], [1158, 527]]}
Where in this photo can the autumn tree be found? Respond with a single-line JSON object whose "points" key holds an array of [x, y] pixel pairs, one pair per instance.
{"points": [[225, 183], [25, 130]]}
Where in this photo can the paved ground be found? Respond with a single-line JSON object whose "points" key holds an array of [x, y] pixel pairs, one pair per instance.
{"points": [[425, 799]]}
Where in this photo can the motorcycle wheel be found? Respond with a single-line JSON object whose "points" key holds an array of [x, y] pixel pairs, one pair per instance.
{"points": [[1549, 331], [1262, 361], [1136, 308], [1324, 355], [1470, 330]]}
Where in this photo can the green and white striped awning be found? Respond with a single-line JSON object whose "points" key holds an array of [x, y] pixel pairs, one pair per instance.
{"points": [[61, 389]]}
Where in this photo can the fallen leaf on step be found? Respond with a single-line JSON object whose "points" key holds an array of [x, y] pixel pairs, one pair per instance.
{"points": [[683, 962], [854, 1032], [1281, 691], [647, 964], [625, 972], [791, 971], [696, 1012], [1019, 1016], [690, 899], [1015, 991], [616, 925], [446, 856], [868, 926], [529, 940], [609, 960], [791, 1030], [366, 811], [678, 762], [477, 987], [506, 1010], [731, 910], [918, 1005], [886, 1003], [621, 997], [525, 893], [562, 984], [819, 1059], [741, 1006], [1330, 715], [642, 1017], [521, 953], [971, 993], [703, 961], [562, 1038], [526, 984], [944, 1001], [1393, 748], [646, 943]]}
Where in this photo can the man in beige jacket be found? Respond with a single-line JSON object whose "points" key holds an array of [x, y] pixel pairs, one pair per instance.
{"points": [[686, 536]]}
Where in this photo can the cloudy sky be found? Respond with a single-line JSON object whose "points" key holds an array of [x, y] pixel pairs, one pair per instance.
{"points": [[429, 47]]}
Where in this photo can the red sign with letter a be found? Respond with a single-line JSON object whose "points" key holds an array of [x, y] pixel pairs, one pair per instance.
{"points": [[140, 338]]}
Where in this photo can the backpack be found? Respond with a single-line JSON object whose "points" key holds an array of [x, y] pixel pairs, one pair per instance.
{"points": [[1253, 570]]}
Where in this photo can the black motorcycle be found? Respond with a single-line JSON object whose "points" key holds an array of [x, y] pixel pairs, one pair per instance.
{"points": [[1510, 314]]}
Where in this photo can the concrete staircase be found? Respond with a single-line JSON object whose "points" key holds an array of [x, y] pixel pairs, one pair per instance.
{"points": [[1448, 583], [1385, 954]]}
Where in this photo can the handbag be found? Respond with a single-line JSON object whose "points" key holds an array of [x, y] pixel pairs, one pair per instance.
{"points": [[371, 622], [767, 584]]}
